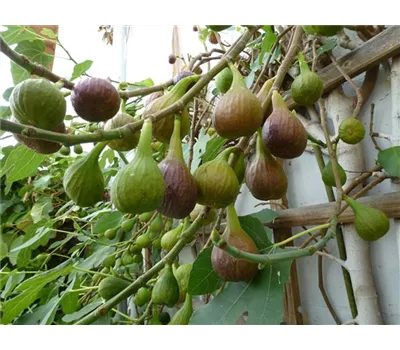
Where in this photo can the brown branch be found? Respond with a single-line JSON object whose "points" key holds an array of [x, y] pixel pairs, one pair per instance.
{"points": [[202, 55], [33, 68], [361, 179]]}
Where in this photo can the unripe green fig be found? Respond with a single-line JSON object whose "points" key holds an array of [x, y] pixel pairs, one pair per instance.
{"points": [[157, 243], [162, 129], [238, 112], [93, 127], [39, 103], [142, 297], [369, 223], [95, 99], [83, 180], [78, 149], [307, 87], [182, 274], [139, 187], [265, 177], [145, 217], [164, 317], [211, 215], [127, 225], [111, 286], [183, 315], [217, 183], [134, 249], [181, 191], [322, 30], [126, 259], [65, 151], [144, 241], [138, 258], [166, 289], [223, 80], [351, 131], [157, 224], [211, 131], [217, 28], [169, 239], [329, 179], [227, 267], [239, 167], [110, 233], [283, 133], [109, 261], [129, 141]]}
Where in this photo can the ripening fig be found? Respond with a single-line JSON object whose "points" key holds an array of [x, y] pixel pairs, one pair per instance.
{"points": [[227, 267], [217, 183], [307, 87], [139, 187], [238, 112], [128, 142], [351, 131], [370, 223], [265, 177], [283, 133], [329, 178], [181, 191]]}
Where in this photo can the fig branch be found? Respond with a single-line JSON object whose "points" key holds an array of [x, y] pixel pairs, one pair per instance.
{"points": [[31, 67], [129, 129]]}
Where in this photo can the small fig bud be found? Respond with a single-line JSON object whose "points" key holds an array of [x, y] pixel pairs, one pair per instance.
{"points": [[65, 151], [328, 177], [351, 131], [212, 38]]}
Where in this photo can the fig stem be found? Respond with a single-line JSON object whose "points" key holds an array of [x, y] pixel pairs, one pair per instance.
{"points": [[175, 144], [304, 68], [144, 145], [320, 227], [232, 219], [96, 151], [237, 77], [224, 155]]}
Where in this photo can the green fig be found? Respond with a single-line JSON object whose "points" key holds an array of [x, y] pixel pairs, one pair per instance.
{"points": [[144, 240], [166, 289], [265, 177], [227, 267], [283, 133], [109, 261], [164, 317], [183, 315], [128, 142], [157, 243], [238, 112], [65, 151], [181, 191], [127, 224], [110, 233], [142, 297], [111, 286], [139, 187], [307, 87], [138, 258], [223, 80], [83, 180], [145, 217], [322, 30], [169, 239], [370, 223], [351, 131], [78, 149], [239, 167], [157, 224], [127, 259], [162, 129], [182, 274], [217, 183], [329, 179]]}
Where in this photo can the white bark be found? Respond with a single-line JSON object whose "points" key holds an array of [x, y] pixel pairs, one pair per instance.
{"points": [[395, 80], [358, 261]]}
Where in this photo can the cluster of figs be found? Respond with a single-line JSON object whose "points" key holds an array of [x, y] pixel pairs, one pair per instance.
{"points": [[144, 185]]}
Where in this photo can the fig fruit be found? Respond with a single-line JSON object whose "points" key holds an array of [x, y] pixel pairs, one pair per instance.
{"points": [[184, 73], [213, 38], [142, 297], [329, 179], [265, 177], [162, 129], [216, 28], [127, 224], [283, 134], [307, 87], [65, 151], [145, 217], [127, 259], [144, 240], [109, 261], [369, 223], [322, 30], [139, 187], [183, 315], [111, 286], [181, 191], [157, 224], [217, 183], [239, 167], [171, 59], [169, 239], [83, 180], [164, 317], [182, 274], [223, 80], [126, 143], [227, 267], [166, 289], [238, 112], [110, 233], [78, 149], [41, 146], [351, 131], [95, 99], [212, 215], [39, 103]]}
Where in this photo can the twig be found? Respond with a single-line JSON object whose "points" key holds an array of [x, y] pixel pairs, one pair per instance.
{"points": [[202, 55], [122, 156], [373, 134], [192, 132], [361, 179], [360, 99], [301, 234], [334, 258], [205, 60], [145, 91], [33, 68], [315, 56]]}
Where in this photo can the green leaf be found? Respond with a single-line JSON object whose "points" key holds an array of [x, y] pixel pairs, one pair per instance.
{"points": [[203, 279], [212, 148], [41, 232], [108, 221], [198, 149], [81, 68], [256, 230], [41, 209], [21, 163], [43, 314], [265, 215], [14, 279], [262, 298], [107, 155], [140, 84], [329, 45], [96, 258], [69, 301], [49, 33], [35, 51], [42, 182], [267, 43], [390, 160], [7, 93], [82, 312], [15, 34], [5, 112]]}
